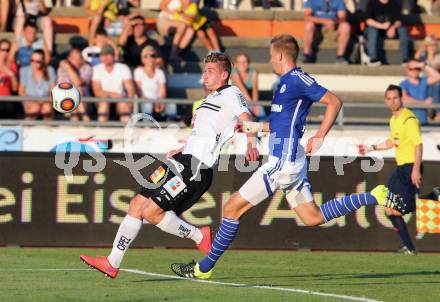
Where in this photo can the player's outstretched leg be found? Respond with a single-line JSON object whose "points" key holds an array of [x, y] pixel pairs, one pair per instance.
{"points": [[380, 195], [203, 269], [142, 207], [127, 232]]}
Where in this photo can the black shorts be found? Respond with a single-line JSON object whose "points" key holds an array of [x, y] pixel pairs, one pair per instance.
{"points": [[178, 183], [400, 183]]}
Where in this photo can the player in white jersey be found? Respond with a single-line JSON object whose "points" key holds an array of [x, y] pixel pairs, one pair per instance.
{"points": [[181, 181], [286, 167]]}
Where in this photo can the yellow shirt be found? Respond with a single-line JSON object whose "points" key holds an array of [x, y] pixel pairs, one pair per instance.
{"points": [[405, 135], [191, 11]]}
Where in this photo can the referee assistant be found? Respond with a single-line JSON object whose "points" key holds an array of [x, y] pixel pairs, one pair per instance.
{"points": [[406, 138]]}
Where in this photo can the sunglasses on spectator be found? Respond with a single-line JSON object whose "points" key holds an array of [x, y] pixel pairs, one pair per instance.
{"points": [[4, 49], [36, 61], [150, 56], [414, 68]]}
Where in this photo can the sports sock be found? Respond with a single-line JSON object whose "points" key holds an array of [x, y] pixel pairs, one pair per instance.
{"points": [[127, 232], [402, 230], [224, 237], [172, 224], [342, 206]]}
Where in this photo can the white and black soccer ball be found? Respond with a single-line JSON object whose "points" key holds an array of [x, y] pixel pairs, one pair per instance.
{"points": [[65, 97]]}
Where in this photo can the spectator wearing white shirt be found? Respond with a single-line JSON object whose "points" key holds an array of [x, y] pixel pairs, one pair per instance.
{"points": [[152, 85], [112, 80]]}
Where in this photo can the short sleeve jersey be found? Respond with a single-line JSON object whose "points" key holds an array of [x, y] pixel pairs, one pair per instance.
{"points": [[214, 123], [405, 135], [293, 97]]}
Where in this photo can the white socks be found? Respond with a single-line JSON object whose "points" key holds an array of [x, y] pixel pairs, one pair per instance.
{"points": [[172, 224], [127, 232], [130, 226]]}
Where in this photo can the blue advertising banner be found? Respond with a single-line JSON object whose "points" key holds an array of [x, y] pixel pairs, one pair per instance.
{"points": [[11, 139]]}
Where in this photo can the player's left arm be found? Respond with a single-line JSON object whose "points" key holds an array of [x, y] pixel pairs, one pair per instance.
{"points": [[252, 153], [333, 104], [412, 126], [416, 174]]}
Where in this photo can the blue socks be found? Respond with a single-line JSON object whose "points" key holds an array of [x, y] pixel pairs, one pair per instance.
{"points": [[224, 237], [342, 206]]}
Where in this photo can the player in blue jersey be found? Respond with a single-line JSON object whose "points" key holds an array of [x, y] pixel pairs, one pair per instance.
{"points": [[286, 167]]}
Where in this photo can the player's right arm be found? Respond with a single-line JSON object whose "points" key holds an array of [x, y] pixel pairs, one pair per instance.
{"points": [[252, 153], [385, 145]]}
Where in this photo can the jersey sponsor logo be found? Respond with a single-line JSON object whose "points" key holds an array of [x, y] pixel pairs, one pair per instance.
{"points": [[123, 243], [242, 101], [276, 108], [157, 175], [217, 141], [283, 88], [174, 186]]}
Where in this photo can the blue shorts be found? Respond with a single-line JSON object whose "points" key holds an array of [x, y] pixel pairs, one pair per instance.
{"points": [[400, 183]]}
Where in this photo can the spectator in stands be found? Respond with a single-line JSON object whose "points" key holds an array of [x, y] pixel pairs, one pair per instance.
{"points": [[23, 48], [36, 12], [152, 85], [191, 15], [327, 15], [428, 54], [384, 20], [4, 14], [133, 40], [91, 54], [8, 70], [37, 80], [112, 80], [415, 87], [74, 70], [246, 79], [169, 20], [8, 78], [107, 13]]}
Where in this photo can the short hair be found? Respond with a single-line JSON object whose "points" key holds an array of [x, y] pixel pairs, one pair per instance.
{"points": [[148, 47], [30, 24], [73, 50], [4, 40], [220, 58], [287, 45], [414, 60], [395, 88]]}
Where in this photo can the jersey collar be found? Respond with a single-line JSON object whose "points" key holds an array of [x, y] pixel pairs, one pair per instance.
{"points": [[218, 90]]}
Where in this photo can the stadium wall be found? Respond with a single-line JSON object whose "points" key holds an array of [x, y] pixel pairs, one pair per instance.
{"points": [[41, 206]]}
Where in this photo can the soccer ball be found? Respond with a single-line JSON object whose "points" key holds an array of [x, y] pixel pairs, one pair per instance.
{"points": [[65, 97]]}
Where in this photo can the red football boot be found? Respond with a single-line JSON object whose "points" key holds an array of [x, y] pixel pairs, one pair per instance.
{"points": [[101, 264], [205, 244]]}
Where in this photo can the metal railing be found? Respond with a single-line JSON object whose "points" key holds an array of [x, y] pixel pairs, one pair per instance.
{"points": [[340, 120]]}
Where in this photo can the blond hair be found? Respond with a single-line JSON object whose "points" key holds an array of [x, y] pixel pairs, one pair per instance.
{"points": [[287, 45]]}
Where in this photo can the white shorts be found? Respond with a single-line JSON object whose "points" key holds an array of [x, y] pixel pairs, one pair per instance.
{"points": [[291, 177]]}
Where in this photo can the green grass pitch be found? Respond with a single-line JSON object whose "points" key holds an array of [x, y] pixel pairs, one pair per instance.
{"points": [[56, 274]]}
